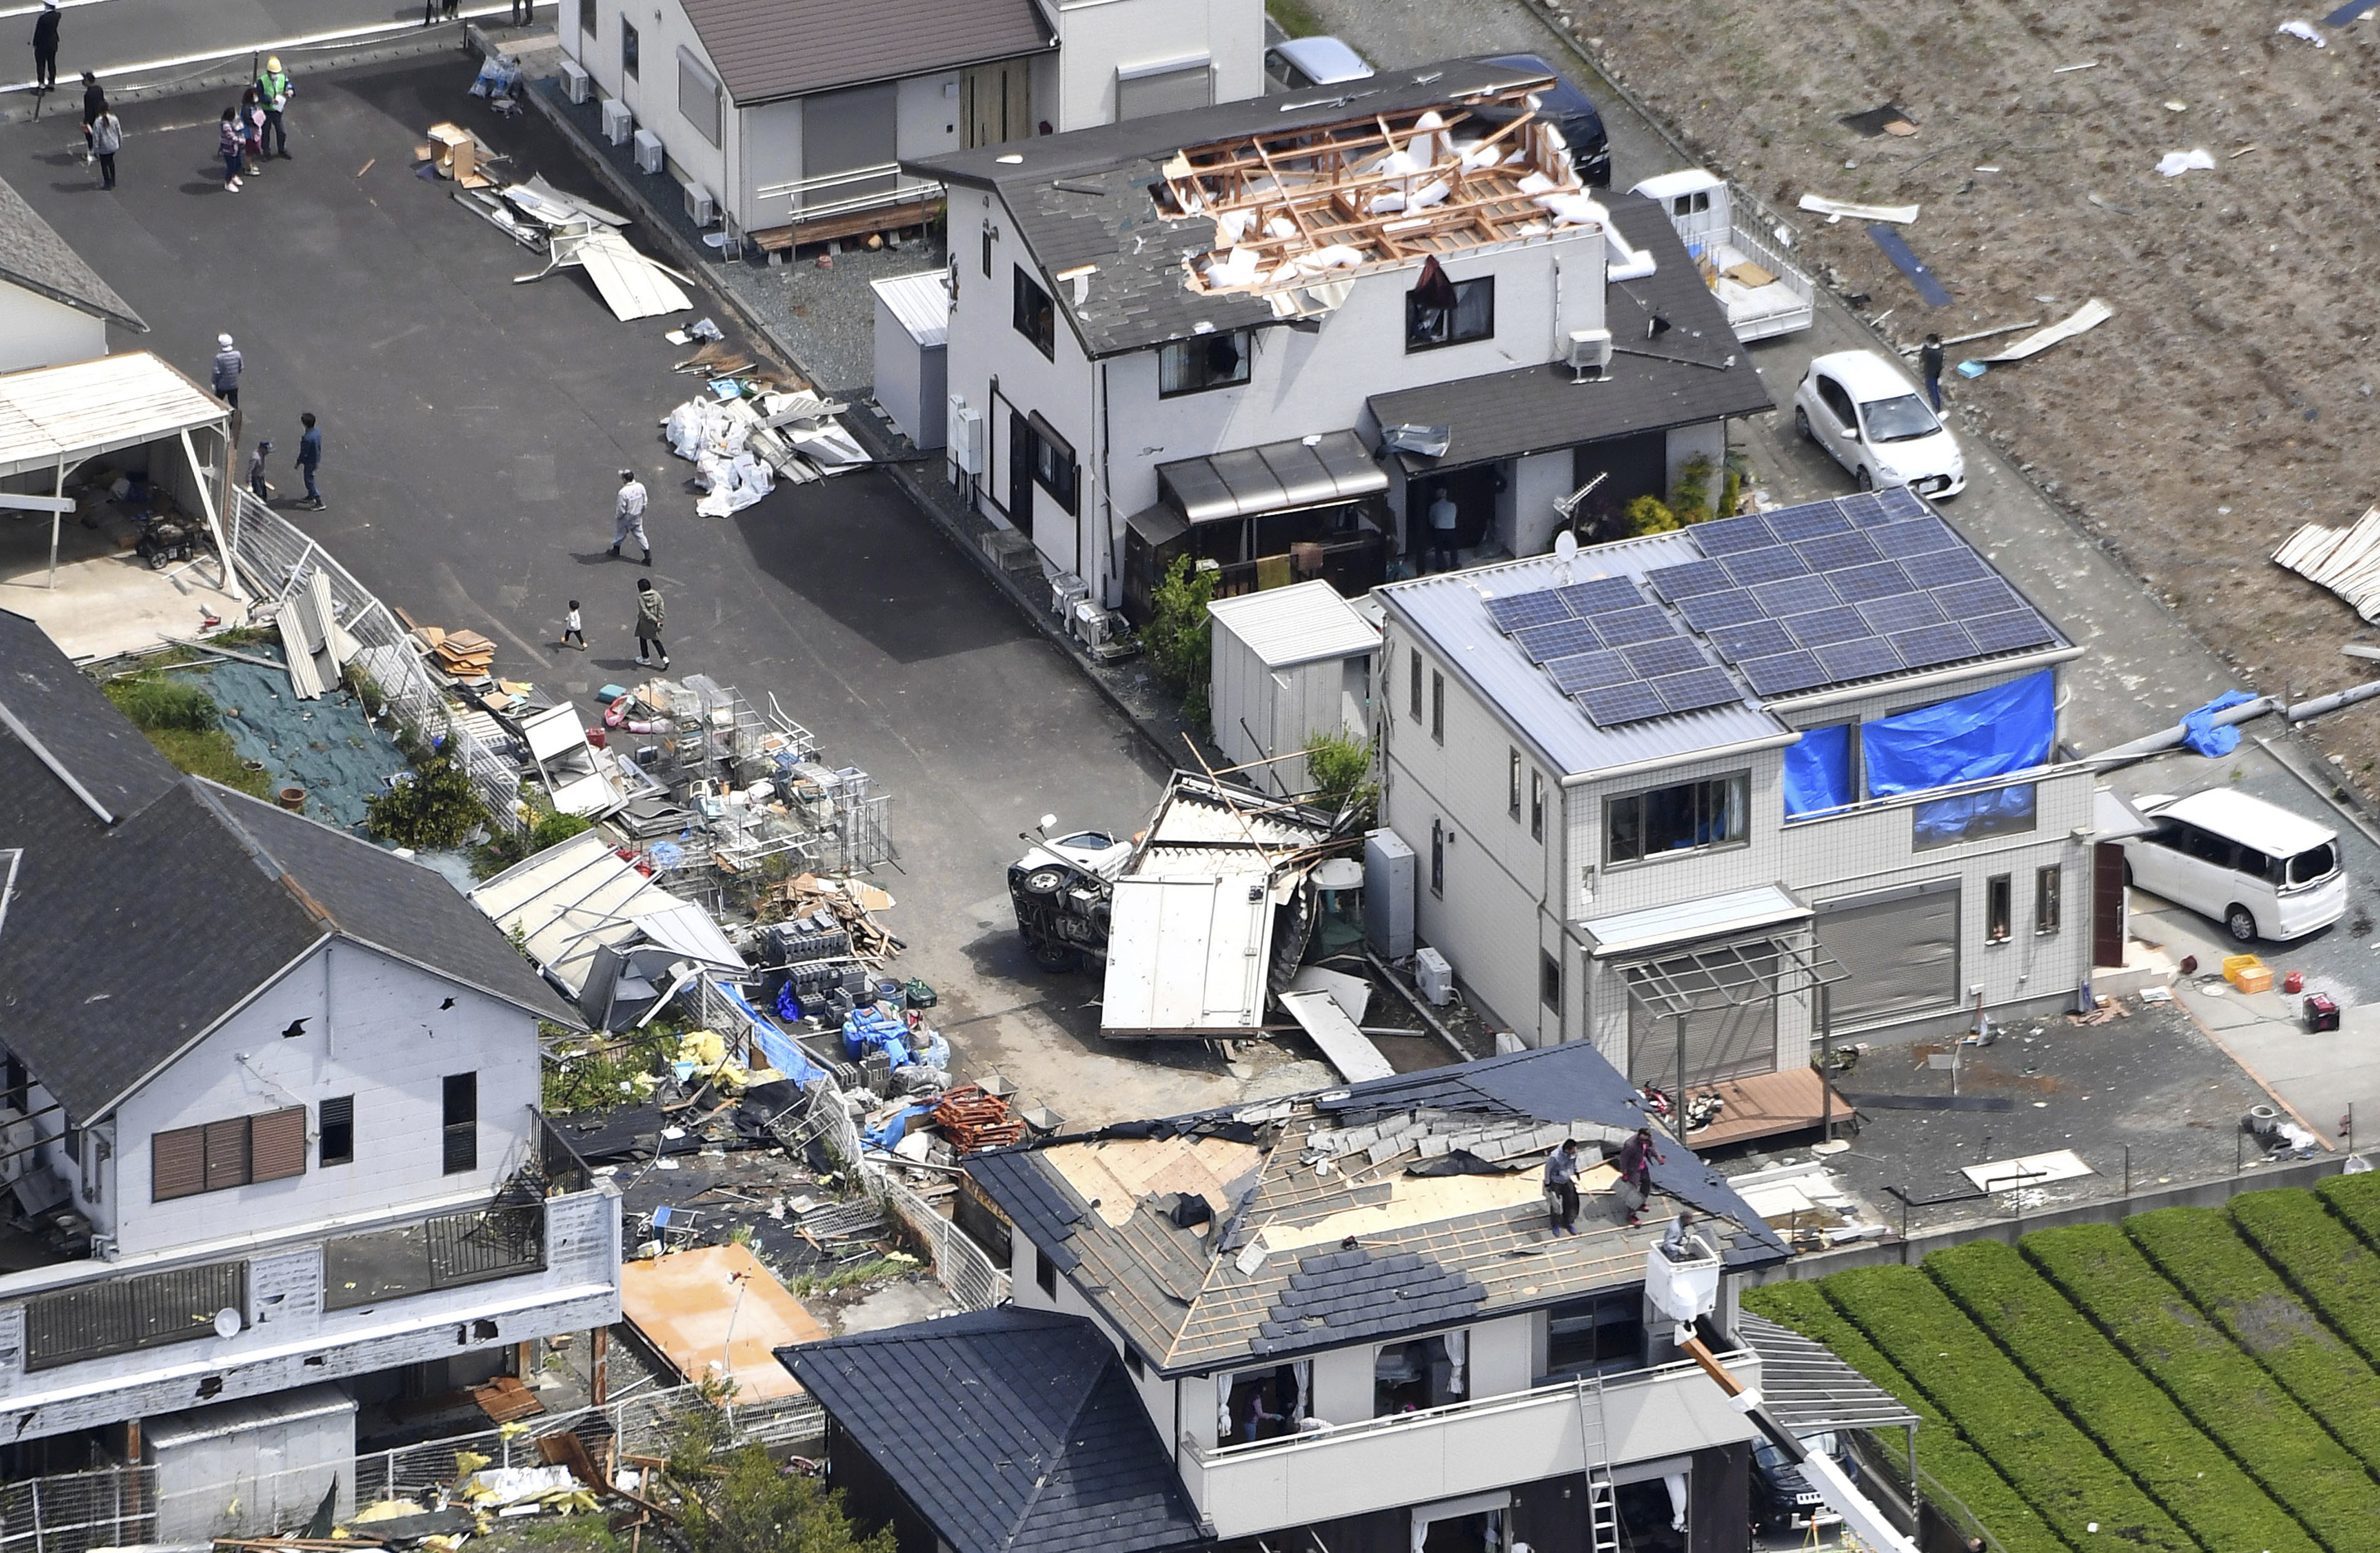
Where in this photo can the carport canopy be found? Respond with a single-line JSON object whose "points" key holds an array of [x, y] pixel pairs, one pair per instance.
{"points": [[54, 418], [1277, 476]]}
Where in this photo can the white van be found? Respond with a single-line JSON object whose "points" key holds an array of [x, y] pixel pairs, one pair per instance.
{"points": [[2254, 868]]}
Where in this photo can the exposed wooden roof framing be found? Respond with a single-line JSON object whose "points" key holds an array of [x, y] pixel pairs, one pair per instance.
{"points": [[1320, 204]]}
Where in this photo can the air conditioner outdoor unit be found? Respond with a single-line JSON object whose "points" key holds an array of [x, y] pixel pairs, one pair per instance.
{"points": [[576, 84], [618, 122], [700, 207], [1590, 351], [651, 158], [965, 429]]}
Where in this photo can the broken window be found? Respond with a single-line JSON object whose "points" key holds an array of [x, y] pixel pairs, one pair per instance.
{"points": [[1206, 362], [1972, 817], [1998, 901], [1449, 313], [1426, 1372], [1035, 315], [1689, 817], [1264, 1405]]}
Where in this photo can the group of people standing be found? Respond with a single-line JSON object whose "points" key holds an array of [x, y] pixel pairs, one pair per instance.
{"points": [[253, 133], [228, 366]]}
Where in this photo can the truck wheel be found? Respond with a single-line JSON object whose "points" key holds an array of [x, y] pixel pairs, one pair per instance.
{"points": [[1052, 957], [1044, 882]]}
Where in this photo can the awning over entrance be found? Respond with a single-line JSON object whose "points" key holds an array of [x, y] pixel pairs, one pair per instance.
{"points": [[1740, 911], [1274, 478]]}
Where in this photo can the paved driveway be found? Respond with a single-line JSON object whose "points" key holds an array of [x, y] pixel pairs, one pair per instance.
{"points": [[473, 429]]}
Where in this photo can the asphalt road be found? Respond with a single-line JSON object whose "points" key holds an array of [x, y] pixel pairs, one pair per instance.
{"points": [[473, 430]]}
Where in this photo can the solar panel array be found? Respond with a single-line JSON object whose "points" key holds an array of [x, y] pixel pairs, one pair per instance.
{"points": [[1834, 592], [1823, 594], [1622, 659]]}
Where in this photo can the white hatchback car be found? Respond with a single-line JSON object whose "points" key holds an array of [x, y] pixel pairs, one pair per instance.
{"points": [[1864, 410]]}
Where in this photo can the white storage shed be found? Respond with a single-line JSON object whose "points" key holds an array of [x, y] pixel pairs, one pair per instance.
{"points": [[912, 333], [1289, 663]]}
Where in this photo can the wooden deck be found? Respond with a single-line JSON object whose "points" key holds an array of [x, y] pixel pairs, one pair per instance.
{"points": [[775, 241], [1766, 1105]]}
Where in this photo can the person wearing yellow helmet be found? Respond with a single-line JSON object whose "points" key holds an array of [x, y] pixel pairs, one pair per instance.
{"points": [[272, 89]]}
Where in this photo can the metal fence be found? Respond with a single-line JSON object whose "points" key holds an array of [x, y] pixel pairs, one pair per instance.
{"points": [[276, 557], [442, 1252], [115, 1507], [964, 1269]]}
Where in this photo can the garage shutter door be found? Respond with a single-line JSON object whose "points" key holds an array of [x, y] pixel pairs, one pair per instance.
{"points": [[1899, 950], [1722, 1040]]}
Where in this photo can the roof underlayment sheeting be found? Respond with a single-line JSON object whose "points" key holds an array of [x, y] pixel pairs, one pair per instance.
{"points": [[717, 1313]]}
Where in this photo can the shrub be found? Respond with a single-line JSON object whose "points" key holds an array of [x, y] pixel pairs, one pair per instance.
{"points": [[1179, 635], [2197, 1248], [1646, 515], [2231, 1399], [745, 1504], [1953, 1465], [156, 702], [2002, 1414], [2334, 1272], [1690, 498], [1340, 767], [2356, 1200], [2139, 1425], [434, 805], [545, 828]]}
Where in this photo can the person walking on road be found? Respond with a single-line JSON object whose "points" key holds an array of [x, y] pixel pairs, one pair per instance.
{"points": [[228, 363], [309, 458], [94, 102], [1929, 362], [107, 139], [273, 88], [571, 635], [650, 613], [256, 480], [45, 48], [232, 149], [628, 517], [251, 132]]}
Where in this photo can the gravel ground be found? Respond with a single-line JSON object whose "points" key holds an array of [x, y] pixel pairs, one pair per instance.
{"points": [[2228, 400]]}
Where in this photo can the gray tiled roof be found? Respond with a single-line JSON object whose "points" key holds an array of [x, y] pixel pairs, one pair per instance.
{"points": [[32, 255], [769, 49], [1083, 198], [151, 929], [1011, 1431], [1183, 1300], [1503, 414]]}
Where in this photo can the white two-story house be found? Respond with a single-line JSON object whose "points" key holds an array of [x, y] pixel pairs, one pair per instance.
{"points": [[1337, 1321], [1197, 335], [787, 116], [1697, 796], [268, 1126]]}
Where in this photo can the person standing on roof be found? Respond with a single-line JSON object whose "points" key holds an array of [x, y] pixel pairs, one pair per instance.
{"points": [[1561, 1187], [1637, 1158], [310, 457], [628, 517], [650, 615], [45, 48], [228, 363], [272, 89]]}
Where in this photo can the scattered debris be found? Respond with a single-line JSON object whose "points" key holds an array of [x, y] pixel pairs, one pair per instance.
{"points": [[1836, 210], [2305, 30], [2346, 561], [2068, 70], [2087, 316], [2107, 205], [2173, 164], [1884, 119], [1930, 289]]}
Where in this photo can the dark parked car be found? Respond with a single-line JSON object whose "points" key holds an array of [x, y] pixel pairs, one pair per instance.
{"points": [[1782, 1499], [1567, 107]]}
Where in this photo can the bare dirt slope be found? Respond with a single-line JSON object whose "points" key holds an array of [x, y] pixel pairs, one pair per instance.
{"points": [[2235, 394]]}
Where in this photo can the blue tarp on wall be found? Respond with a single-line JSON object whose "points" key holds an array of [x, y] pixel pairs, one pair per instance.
{"points": [[1818, 770], [1988, 734]]}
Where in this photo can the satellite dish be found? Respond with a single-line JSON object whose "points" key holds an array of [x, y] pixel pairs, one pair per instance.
{"points": [[1566, 547], [226, 1323]]}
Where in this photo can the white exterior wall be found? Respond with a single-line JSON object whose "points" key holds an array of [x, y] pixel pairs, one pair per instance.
{"points": [[374, 1030], [769, 153], [1097, 37], [661, 29], [38, 332], [1538, 482], [927, 114]]}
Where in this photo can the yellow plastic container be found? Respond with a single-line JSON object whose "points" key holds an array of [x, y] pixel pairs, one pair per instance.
{"points": [[2242, 969]]}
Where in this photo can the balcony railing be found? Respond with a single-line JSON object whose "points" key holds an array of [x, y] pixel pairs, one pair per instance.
{"points": [[1464, 1448], [125, 1314], [860, 189], [442, 1252]]}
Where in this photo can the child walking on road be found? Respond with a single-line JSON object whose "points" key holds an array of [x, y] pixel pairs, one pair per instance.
{"points": [[571, 635], [231, 146]]}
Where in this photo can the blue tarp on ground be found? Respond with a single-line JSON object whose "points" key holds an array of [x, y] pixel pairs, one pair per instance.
{"points": [[1988, 734], [1818, 770], [890, 1131], [2199, 729], [774, 1043]]}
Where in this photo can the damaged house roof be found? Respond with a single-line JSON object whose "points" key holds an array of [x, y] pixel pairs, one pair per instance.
{"points": [[1013, 1431], [1402, 1203], [151, 905]]}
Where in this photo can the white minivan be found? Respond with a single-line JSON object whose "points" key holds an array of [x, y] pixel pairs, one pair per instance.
{"points": [[2253, 866]]}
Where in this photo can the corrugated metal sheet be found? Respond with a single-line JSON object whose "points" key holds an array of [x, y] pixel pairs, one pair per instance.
{"points": [[571, 898], [89, 407], [1448, 612], [1741, 910], [1284, 626], [921, 304]]}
